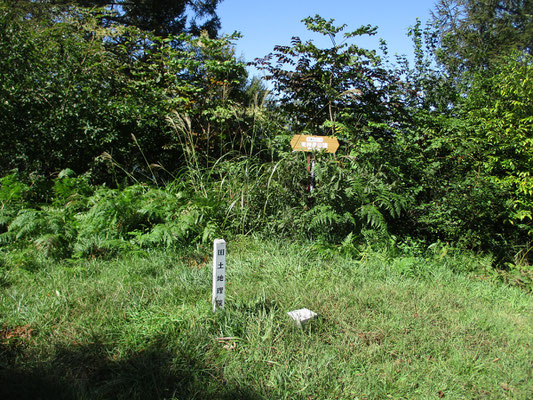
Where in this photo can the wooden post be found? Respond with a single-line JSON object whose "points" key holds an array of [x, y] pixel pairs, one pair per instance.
{"points": [[310, 143]]}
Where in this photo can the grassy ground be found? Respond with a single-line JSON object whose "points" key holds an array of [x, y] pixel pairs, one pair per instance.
{"points": [[142, 327]]}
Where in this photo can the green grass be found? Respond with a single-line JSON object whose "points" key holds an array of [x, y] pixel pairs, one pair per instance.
{"points": [[141, 326]]}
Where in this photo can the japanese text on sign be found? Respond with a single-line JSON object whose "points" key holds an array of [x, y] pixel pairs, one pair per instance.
{"points": [[219, 273], [314, 143]]}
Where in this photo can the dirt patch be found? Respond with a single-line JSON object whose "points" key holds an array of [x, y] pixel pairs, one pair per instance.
{"points": [[17, 334]]}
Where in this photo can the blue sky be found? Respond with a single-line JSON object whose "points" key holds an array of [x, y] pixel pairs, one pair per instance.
{"points": [[265, 24]]}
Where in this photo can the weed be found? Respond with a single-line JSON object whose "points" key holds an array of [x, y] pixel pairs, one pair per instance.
{"points": [[406, 327]]}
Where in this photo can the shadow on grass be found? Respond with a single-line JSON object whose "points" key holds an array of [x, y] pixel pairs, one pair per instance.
{"points": [[90, 372]]}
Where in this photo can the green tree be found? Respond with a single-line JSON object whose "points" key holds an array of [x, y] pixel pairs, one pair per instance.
{"points": [[424, 83], [468, 170], [475, 33], [70, 93], [342, 90], [500, 109], [161, 17]]}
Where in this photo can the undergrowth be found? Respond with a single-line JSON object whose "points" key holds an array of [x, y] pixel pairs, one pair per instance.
{"points": [[351, 208], [141, 326]]}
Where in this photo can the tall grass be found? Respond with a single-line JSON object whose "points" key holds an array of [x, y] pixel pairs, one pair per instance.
{"points": [[141, 326], [232, 196]]}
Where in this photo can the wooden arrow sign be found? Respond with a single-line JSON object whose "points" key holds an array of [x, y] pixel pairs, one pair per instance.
{"points": [[314, 143]]}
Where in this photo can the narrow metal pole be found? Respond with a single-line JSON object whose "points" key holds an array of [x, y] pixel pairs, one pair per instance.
{"points": [[312, 185], [310, 169]]}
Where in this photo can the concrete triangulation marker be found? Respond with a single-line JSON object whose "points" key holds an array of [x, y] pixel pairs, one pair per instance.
{"points": [[302, 316]]}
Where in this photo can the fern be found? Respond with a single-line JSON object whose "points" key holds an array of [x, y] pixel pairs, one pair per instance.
{"points": [[6, 216], [210, 231], [55, 245], [97, 247], [7, 237], [373, 217], [325, 222], [12, 190], [71, 192], [28, 223], [160, 235], [112, 213], [391, 202], [324, 216], [48, 230]]}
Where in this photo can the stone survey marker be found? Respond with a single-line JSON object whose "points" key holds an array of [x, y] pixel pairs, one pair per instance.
{"points": [[219, 273], [302, 316], [314, 143]]}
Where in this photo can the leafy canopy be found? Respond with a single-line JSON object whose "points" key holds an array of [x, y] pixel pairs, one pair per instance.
{"points": [[474, 33], [336, 90], [160, 17]]}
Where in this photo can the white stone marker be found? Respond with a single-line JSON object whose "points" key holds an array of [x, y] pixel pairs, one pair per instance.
{"points": [[219, 273], [302, 316]]}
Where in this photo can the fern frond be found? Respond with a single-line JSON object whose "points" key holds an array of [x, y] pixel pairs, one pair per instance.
{"points": [[7, 237], [324, 216], [373, 217], [27, 223], [209, 232]]}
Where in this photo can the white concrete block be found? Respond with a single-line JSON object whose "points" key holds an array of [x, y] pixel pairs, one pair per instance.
{"points": [[302, 316]]}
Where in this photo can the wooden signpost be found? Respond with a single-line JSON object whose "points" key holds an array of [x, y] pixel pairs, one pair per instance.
{"points": [[219, 273], [314, 143], [311, 143]]}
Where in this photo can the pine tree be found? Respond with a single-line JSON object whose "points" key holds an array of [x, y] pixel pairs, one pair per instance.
{"points": [[475, 33]]}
